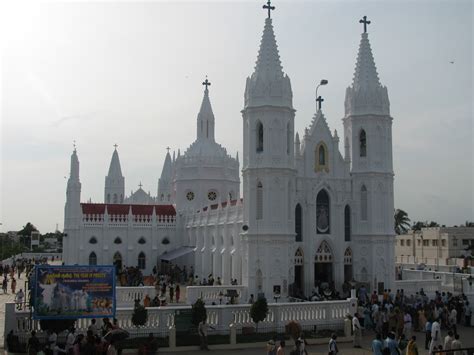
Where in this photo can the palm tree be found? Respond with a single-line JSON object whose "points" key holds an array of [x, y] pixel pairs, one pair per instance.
{"points": [[402, 222]]}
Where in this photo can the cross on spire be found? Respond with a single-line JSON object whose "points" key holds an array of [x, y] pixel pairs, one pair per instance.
{"points": [[74, 144], [206, 83], [168, 149], [319, 100], [365, 22], [115, 146], [140, 185], [269, 7]]}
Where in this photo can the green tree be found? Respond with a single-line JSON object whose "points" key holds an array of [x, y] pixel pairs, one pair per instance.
{"points": [[402, 222], [418, 225], [198, 312], [27, 229], [259, 311], [139, 315]]}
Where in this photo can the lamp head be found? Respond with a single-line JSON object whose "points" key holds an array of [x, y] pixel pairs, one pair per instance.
{"points": [[324, 82]]}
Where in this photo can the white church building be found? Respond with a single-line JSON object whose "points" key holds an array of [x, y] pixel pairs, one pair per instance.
{"points": [[309, 215]]}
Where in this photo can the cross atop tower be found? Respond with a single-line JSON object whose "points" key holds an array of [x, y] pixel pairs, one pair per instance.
{"points": [[74, 144], [269, 8], [168, 149], [319, 100], [206, 83], [365, 22], [115, 146], [140, 185]]}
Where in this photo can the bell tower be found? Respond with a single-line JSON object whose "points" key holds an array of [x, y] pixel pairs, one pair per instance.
{"points": [[268, 172]]}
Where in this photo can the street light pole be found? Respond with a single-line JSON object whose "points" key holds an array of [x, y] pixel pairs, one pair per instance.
{"points": [[322, 82]]}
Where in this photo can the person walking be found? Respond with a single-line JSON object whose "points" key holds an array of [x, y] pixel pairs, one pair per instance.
{"points": [[333, 350], [407, 324], [177, 292], [435, 336], [5, 285], [456, 345], [467, 314], [412, 348], [19, 299], [271, 347], [448, 340], [377, 345], [428, 325], [13, 285], [281, 348], [203, 328], [356, 330], [33, 346]]}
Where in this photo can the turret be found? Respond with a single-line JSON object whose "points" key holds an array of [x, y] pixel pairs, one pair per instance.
{"points": [[114, 181], [205, 119]]}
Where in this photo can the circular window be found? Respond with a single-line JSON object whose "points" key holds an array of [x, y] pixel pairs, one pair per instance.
{"points": [[190, 195], [212, 195]]}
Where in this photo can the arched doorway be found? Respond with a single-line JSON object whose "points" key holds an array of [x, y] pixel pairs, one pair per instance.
{"points": [[323, 265], [348, 265], [298, 286], [118, 261]]}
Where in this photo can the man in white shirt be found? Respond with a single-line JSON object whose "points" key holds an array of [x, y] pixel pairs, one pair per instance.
{"points": [[71, 336], [448, 340], [456, 344], [453, 319], [356, 330], [407, 324], [435, 336]]}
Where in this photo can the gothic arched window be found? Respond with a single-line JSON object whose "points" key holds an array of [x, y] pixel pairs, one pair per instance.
{"points": [[362, 143], [259, 137], [118, 240], [165, 241], [363, 203], [322, 212], [321, 158], [93, 240], [347, 223], [142, 241], [259, 214], [92, 259], [298, 223], [141, 261]]}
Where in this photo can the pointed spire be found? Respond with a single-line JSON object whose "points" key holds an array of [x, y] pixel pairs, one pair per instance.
{"points": [[268, 85], [205, 119], [366, 95], [74, 171], [167, 171], [114, 168], [237, 156]]}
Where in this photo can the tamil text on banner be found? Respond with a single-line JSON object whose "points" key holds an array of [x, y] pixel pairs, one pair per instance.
{"points": [[69, 292]]}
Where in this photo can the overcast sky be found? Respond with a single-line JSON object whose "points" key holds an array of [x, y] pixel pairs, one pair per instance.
{"points": [[131, 73]]}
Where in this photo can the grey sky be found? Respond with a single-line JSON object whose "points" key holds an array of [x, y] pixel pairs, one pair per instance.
{"points": [[130, 73]]}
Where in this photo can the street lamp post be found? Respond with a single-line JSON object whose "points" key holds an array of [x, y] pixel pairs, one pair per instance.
{"points": [[322, 82]]}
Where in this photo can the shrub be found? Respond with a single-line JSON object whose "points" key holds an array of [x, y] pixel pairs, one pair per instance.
{"points": [[140, 315], [293, 328], [199, 312], [259, 310]]}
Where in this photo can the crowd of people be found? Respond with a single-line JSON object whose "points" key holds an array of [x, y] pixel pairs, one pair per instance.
{"points": [[395, 317]]}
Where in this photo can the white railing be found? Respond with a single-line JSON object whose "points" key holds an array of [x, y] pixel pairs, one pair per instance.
{"points": [[8, 261], [411, 287], [126, 296], [214, 294], [325, 315]]}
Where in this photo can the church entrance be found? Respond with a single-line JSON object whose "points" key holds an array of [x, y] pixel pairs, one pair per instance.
{"points": [[298, 285], [323, 272]]}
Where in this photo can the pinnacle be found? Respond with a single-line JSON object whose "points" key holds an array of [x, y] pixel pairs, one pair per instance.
{"points": [[114, 168], [268, 63]]}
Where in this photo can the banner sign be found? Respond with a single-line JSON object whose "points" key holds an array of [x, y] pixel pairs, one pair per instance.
{"points": [[70, 292]]}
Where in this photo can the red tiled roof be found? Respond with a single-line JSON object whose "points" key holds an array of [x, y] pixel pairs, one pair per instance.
{"points": [[223, 204], [117, 209]]}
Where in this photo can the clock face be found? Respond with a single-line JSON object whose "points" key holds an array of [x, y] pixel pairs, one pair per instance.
{"points": [[211, 195], [190, 195]]}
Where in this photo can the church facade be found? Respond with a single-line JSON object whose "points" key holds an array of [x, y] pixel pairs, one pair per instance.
{"points": [[310, 215]]}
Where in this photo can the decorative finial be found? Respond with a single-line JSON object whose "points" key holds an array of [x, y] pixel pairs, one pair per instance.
{"points": [[206, 83], [319, 100], [365, 22], [74, 144], [140, 185], [269, 8], [168, 149], [115, 146]]}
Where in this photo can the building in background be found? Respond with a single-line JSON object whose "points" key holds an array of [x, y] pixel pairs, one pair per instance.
{"points": [[436, 248]]}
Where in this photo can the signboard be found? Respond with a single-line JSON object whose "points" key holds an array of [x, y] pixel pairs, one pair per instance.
{"points": [[70, 292]]}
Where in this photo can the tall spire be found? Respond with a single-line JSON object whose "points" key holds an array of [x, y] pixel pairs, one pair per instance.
{"points": [[74, 171], [366, 95], [73, 193], [268, 85], [114, 191], [114, 168], [164, 182], [205, 119]]}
